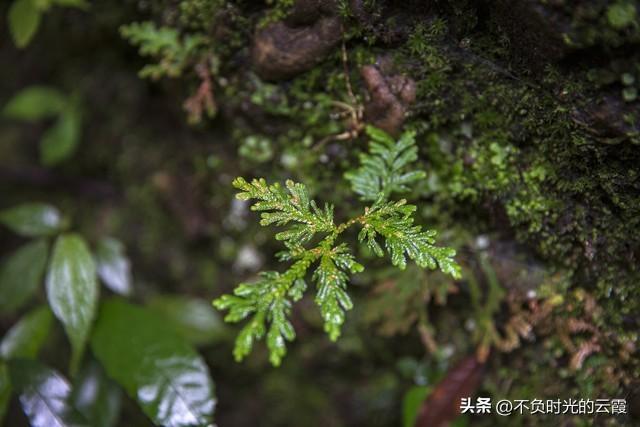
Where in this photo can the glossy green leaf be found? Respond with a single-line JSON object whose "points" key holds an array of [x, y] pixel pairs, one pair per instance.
{"points": [[72, 290], [156, 366], [60, 141], [193, 318], [33, 219], [44, 395], [96, 396], [5, 390], [26, 338], [24, 20], [114, 268], [411, 404], [21, 274], [35, 103]]}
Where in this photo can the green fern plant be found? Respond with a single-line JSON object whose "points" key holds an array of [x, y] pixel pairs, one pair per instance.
{"points": [[384, 169], [174, 53], [267, 303]]}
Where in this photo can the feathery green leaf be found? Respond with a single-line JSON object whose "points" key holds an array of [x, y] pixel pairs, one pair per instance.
{"points": [[383, 170], [331, 281], [394, 222], [281, 207], [173, 51], [267, 302]]}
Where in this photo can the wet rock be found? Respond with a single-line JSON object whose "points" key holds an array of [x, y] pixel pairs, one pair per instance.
{"points": [[534, 29], [609, 118], [287, 48], [307, 12], [389, 97], [390, 21]]}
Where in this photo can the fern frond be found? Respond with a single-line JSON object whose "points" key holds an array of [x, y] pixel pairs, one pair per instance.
{"points": [[383, 170], [281, 207], [331, 279], [394, 222], [173, 52], [269, 301]]}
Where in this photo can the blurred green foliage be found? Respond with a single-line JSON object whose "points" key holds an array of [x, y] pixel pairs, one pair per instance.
{"points": [[25, 15], [39, 103]]}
